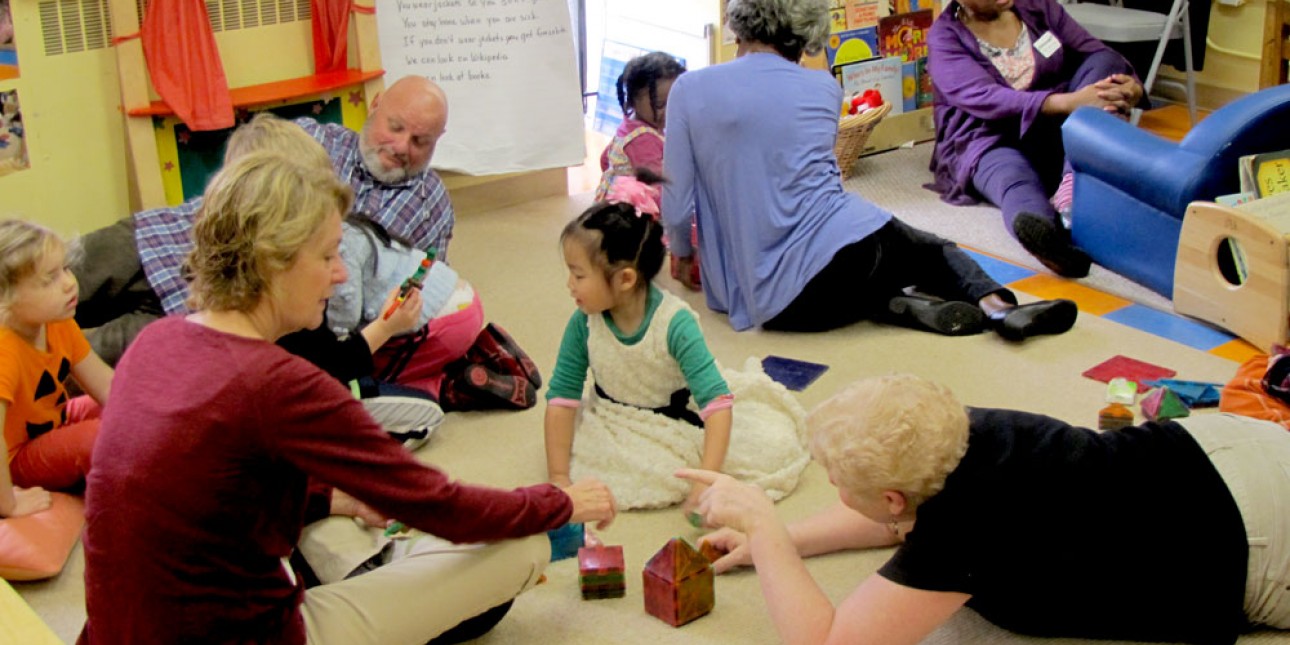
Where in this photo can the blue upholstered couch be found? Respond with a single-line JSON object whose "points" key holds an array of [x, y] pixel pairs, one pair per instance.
{"points": [[1133, 187]]}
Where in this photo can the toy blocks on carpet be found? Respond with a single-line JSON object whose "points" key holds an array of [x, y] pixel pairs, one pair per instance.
{"points": [[678, 584], [601, 571], [565, 541], [1161, 404]]}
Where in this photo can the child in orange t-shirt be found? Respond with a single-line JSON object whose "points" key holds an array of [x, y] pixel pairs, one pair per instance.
{"points": [[47, 439]]}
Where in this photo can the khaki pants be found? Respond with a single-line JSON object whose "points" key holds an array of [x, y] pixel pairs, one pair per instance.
{"points": [[430, 586], [1253, 458]]}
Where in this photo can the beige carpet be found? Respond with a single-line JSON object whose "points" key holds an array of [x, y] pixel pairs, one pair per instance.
{"points": [[512, 256]]}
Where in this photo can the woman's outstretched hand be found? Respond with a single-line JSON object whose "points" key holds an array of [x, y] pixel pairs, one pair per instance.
{"points": [[592, 502], [727, 502]]}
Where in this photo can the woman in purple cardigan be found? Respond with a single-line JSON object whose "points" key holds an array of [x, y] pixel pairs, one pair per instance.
{"points": [[1004, 77]]}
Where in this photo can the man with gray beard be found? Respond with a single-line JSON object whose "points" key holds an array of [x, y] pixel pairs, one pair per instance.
{"points": [[388, 163], [130, 273]]}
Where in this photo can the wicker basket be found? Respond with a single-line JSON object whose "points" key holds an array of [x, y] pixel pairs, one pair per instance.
{"points": [[853, 132]]}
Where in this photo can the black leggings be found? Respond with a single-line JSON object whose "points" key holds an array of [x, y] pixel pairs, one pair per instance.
{"points": [[862, 277]]}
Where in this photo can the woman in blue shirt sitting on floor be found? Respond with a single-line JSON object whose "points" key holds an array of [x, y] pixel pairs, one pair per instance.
{"points": [[783, 245]]}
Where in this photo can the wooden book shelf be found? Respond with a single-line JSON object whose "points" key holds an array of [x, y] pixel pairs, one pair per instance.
{"points": [[263, 93]]}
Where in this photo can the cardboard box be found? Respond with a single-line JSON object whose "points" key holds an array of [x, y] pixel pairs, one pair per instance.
{"points": [[897, 130]]}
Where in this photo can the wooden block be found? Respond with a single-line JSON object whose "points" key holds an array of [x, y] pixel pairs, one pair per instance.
{"points": [[1251, 303]]}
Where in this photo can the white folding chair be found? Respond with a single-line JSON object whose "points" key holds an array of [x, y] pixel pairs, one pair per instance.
{"points": [[1116, 24]]}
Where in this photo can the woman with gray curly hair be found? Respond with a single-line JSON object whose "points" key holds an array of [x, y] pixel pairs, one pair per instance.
{"points": [[1169, 531], [782, 244], [221, 446]]}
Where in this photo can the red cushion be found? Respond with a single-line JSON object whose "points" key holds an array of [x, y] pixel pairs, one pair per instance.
{"points": [[35, 547]]}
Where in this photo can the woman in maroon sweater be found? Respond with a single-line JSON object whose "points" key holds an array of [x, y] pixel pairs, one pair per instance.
{"points": [[218, 446]]}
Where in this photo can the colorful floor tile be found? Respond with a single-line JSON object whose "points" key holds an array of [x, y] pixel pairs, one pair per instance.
{"points": [[1171, 326]]}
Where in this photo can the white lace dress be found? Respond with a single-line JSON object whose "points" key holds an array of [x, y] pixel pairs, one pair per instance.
{"points": [[635, 450]]}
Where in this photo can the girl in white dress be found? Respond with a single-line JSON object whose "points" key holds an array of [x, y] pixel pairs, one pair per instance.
{"points": [[659, 399]]}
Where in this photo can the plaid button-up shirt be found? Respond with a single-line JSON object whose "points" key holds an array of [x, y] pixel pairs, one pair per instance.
{"points": [[417, 210], [164, 236]]}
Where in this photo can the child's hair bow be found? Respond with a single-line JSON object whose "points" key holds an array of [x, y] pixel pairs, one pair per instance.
{"points": [[630, 190]]}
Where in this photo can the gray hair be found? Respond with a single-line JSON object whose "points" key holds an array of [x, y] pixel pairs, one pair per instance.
{"points": [[792, 27]]}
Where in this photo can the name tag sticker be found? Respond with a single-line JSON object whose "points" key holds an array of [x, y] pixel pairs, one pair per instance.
{"points": [[1047, 44]]}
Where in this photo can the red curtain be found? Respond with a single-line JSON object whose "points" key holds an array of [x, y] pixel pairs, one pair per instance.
{"points": [[184, 63], [331, 35]]}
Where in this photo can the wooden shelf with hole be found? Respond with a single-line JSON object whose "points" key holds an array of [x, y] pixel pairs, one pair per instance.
{"points": [[288, 89], [1232, 271]]}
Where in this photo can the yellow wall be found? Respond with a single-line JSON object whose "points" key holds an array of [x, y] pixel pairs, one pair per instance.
{"points": [[78, 180], [266, 54], [76, 145]]}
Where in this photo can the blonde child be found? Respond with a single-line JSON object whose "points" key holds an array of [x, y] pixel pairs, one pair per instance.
{"points": [[47, 439], [648, 359]]}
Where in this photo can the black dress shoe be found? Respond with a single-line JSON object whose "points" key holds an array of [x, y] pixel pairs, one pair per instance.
{"points": [[1036, 319], [949, 317], [1051, 245]]}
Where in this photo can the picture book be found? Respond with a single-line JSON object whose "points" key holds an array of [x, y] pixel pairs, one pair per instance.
{"points": [[883, 74], [862, 13], [837, 20], [924, 84], [1271, 173], [906, 6], [905, 35], [1265, 174], [1235, 199], [852, 45], [909, 84], [1274, 210]]}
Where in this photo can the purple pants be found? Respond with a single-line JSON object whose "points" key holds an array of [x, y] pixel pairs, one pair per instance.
{"points": [[1018, 178]]}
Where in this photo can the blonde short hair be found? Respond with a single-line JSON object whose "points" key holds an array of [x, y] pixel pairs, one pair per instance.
{"points": [[256, 215], [267, 132], [23, 245], [898, 432]]}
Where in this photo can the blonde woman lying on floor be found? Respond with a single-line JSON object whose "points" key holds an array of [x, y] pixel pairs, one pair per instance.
{"points": [[1170, 531]]}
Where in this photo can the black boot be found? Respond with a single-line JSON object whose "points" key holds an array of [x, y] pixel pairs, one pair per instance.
{"points": [[1037, 318], [1051, 245], [948, 317]]}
